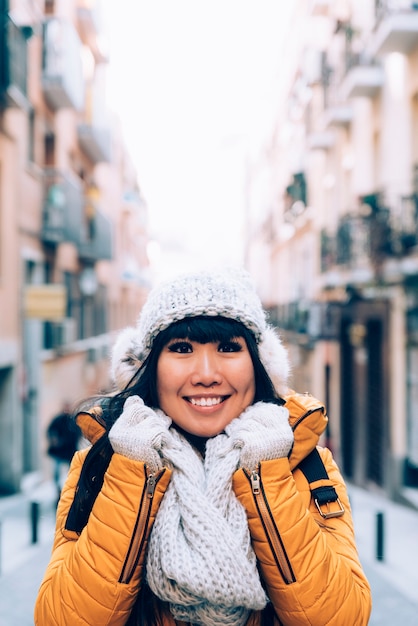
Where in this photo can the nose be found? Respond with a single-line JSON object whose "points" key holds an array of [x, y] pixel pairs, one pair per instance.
{"points": [[206, 370]]}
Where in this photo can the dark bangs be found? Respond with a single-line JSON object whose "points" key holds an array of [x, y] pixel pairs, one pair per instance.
{"points": [[204, 329]]}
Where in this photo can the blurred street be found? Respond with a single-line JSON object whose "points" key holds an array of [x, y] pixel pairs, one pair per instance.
{"points": [[394, 579]]}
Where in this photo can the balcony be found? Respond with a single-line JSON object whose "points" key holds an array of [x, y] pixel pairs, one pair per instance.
{"points": [[62, 75], [321, 140], [328, 251], [359, 243], [362, 81], [404, 221], [71, 214], [13, 64], [63, 207], [312, 319], [396, 27], [95, 142], [337, 112], [295, 198], [383, 228], [95, 238], [353, 242]]}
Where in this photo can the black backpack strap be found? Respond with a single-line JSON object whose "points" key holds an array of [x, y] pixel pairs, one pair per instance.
{"points": [[323, 492], [89, 484]]}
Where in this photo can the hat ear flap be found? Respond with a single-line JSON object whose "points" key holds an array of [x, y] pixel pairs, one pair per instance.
{"points": [[125, 357], [274, 357]]}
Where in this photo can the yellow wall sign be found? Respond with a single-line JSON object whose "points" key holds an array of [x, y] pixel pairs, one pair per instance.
{"points": [[45, 302]]}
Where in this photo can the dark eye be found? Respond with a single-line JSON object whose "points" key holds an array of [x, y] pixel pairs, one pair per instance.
{"points": [[181, 347], [230, 346]]}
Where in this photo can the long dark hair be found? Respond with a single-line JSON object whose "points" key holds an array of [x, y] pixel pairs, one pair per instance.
{"points": [[202, 329]]}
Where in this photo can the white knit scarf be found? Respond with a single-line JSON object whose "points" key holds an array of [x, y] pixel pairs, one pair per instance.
{"points": [[200, 557]]}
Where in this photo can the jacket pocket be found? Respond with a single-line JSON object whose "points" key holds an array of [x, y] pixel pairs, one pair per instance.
{"points": [[141, 527], [269, 524]]}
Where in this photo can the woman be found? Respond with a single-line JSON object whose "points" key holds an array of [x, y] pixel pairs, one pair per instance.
{"points": [[191, 508]]}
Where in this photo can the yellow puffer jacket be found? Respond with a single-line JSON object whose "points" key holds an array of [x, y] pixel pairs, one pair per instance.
{"points": [[309, 563]]}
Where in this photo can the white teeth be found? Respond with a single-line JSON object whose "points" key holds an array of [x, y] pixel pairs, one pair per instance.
{"points": [[205, 401]]}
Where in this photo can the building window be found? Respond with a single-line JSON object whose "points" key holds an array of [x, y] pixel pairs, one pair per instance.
{"points": [[49, 150]]}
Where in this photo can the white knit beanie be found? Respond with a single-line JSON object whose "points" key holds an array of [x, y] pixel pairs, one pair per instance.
{"points": [[229, 294]]}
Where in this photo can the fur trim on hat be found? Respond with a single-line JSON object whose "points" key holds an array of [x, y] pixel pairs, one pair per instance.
{"points": [[273, 356], [126, 357]]}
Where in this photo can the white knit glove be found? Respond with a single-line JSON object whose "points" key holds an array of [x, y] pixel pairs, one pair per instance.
{"points": [[140, 433], [262, 432]]}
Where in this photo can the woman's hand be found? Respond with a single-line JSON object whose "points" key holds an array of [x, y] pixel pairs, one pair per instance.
{"points": [[140, 433], [262, 432]]}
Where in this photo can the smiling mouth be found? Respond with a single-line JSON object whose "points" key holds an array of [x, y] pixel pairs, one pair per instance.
{"points": [[207, 401]]}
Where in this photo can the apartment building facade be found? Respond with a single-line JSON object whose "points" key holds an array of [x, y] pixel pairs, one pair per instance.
{"points": [[338, 226], [73, 223]]}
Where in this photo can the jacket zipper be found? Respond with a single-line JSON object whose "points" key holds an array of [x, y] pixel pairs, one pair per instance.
{"points": [[270, 528], [140, 529]]}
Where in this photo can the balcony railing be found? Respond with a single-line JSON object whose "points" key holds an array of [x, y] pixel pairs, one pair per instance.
{"points": [[95, 142], [353, 242], [396, 27], [357, 242], [404, 221], [312, 319], [62, 75], [321, 140], [383, 8], [382, 228], [13, 63], [295, 200], [95, 238], [63, 207], [70, 215], [336, 110], [364, 77]]}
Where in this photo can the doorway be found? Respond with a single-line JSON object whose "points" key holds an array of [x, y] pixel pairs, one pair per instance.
{"points": [[364, 395]]}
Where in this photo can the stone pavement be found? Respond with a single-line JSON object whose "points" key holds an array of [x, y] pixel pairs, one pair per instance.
{"points": [[394, 580], [23, 554]]}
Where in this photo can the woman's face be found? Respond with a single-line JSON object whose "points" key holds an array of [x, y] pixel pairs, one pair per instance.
{"points": [[203, 387]]}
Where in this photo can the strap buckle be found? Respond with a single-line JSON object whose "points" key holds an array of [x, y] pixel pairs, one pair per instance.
{"points": [[328, 514]]}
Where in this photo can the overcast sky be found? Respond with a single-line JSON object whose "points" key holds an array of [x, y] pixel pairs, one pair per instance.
{"points": [[195, 84]]}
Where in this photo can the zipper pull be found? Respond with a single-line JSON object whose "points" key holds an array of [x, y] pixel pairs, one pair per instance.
{"points": [[255, 481], [151, 482]]}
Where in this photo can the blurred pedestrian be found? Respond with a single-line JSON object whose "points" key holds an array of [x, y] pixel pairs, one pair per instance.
{"points": [[192, 506], [63, 436]]}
